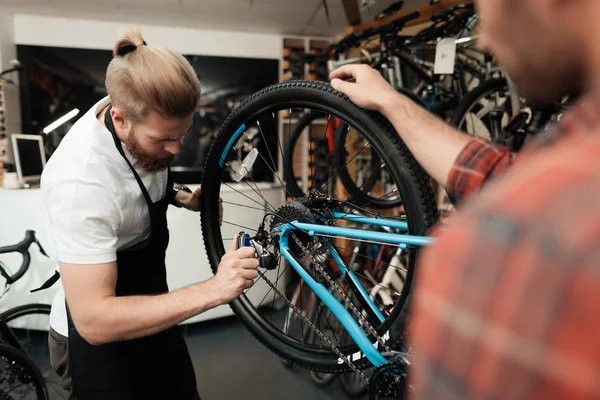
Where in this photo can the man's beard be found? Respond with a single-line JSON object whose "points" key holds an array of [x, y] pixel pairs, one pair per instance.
{"points": [[149, 163]]}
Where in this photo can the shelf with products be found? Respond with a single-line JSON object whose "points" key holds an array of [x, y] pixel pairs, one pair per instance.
{"points": [[293, 66], [318, 69], [293, 59]]}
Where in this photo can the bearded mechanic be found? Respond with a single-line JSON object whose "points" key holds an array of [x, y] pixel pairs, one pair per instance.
{"points": [[508, 299], [106, 189]]}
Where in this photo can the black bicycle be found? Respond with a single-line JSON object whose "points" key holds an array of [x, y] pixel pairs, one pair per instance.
{"points": [[25, 370]]}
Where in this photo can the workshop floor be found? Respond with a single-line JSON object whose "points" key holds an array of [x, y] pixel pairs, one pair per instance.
{"points": [[231, 364]]}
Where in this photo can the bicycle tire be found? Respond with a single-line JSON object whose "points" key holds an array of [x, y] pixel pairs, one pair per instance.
{"points": [[26, 309], [413, 181], [473, 97], [17, 312], [19, 359]]}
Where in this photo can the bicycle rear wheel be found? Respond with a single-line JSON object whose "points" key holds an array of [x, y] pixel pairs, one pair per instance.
{"points": [[19, 377], [264, 314]]}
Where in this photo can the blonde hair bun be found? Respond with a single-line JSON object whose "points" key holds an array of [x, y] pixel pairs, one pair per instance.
{"points": [[132, 38]]}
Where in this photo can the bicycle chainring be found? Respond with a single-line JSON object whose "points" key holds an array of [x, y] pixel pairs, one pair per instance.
{"points": [[389, 381]]}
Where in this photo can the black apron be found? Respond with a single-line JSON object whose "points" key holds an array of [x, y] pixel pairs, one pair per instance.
{"points": [[152, 367]]}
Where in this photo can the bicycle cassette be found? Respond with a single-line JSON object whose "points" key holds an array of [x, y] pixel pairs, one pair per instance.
{"points": [[290, 211]]}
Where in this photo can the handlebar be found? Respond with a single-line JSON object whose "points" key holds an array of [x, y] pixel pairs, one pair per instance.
{"points": [[451, 24], [353, 39], [23, 248], [446, 14]]}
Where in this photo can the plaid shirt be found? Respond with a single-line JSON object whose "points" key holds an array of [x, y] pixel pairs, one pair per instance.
{"points": [[479, 161], [507, 302]]}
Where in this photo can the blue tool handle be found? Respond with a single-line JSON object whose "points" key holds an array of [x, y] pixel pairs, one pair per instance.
{"points": [[243, 240]]}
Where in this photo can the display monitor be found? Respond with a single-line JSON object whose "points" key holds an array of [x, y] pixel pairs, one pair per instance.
{"points": [[30, 158]]}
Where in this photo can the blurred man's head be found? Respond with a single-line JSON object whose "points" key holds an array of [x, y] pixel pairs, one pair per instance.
{"points": [[539, 43], [154, 93]]}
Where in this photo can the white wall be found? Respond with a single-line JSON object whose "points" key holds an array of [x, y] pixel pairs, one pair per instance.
{"points": [[90, 34], [8, 50], [186, 258]]}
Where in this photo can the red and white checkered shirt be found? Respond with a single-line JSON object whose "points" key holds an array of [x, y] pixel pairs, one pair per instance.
{"points": [[507, 302]]}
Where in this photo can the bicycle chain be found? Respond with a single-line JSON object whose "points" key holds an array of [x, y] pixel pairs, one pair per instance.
{"points": [[313, 327], [335, 284]]}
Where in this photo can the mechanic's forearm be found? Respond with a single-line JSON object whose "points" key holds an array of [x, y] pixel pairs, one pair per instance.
{"points": [[118, 318], [433, 143]]}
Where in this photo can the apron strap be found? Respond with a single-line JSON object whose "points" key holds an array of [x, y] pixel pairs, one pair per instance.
{"points": [[109, 125], [51, 281]]}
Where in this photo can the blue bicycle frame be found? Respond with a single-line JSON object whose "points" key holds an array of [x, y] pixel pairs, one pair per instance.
{"points": [[369, 349]]}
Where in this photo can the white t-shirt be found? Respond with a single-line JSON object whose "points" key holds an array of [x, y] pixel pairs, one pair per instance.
{"points": [[94, 205]]}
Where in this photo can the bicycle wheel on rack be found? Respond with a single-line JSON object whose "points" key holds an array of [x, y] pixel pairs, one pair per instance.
{"points": [[364, 177], [29, 325], [485, 110], [261, 207], [307, 131], [19, 377]]}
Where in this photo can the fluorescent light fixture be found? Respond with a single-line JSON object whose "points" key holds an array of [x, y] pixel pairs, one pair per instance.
{"points": [[61, 121]]}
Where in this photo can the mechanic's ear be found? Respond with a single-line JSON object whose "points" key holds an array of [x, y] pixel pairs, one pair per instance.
{"points": [[119, 118]]}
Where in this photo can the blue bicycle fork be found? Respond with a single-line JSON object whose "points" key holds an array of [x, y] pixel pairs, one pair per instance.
{"points": [[348, 322]]}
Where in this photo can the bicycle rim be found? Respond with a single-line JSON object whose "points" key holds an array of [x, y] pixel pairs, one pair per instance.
{"points": [[260, 113]]}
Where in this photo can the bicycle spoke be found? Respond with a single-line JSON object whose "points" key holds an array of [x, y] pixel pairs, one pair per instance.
{"points": [[312, 185], [257, 192], [302, 319], [239, 226], [348, 163], [271, 289], [267, 143], [285, 191], [243, 205], [328, 322], [360, 188], [374, 200], [268, 166], [276, 281], [378, 284], [372, 259], [246, 196]]}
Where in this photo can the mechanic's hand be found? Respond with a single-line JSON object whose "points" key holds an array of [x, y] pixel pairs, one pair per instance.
{"points": [[236, 272], [363, 85], [193, 203]]}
